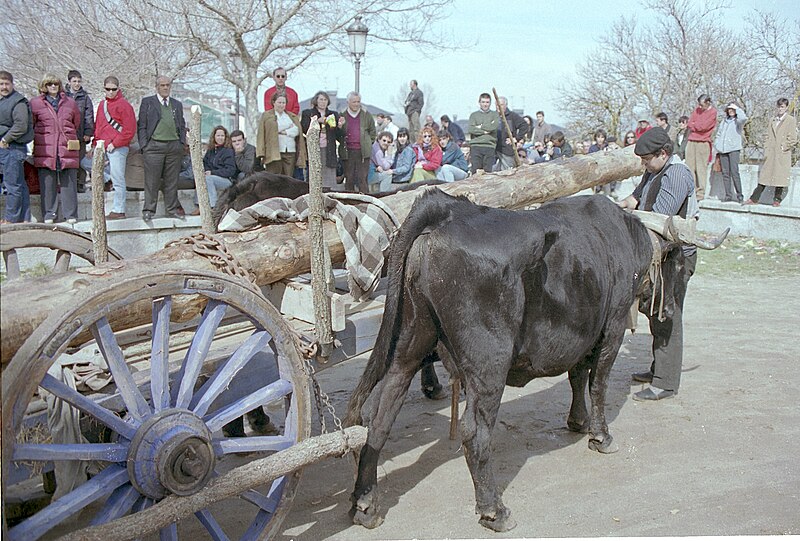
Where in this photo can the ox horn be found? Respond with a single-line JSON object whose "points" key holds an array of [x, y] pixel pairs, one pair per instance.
{"points": [[679, 229]]}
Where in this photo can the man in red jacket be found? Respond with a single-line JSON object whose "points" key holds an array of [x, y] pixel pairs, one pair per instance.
{"points": [[698, 150], [116, 125], [292, 103]]}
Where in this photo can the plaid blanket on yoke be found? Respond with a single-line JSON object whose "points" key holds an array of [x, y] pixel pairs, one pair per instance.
{"points": [[364, 225]]}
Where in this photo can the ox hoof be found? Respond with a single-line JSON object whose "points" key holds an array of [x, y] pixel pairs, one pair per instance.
{"points": [[500, 523], [606, 446], [434, 393], [582, 428], [365, 512], [367, 519]]}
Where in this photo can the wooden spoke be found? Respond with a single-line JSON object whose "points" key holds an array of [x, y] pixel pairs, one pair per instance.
{"points": [[198, 351], [98, 487], [263, 502], [273, 391], [211, 525], [107, 343], [159, 355], [117, 505], [104, 452], [170, 533], [225, 373], [252, 444], [74, 398]]}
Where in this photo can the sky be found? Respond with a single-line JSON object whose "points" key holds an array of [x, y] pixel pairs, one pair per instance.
{"points": [[524, 49]]}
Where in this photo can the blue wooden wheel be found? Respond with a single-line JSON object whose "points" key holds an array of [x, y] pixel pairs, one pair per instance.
{"points": [[166, 426]]}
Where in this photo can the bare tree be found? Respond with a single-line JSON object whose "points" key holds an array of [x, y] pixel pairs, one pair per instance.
{"points": [[637, 71], [242, 42]]}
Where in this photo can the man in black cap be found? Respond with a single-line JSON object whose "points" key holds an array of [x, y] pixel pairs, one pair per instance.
{"points": [[667, 187]]}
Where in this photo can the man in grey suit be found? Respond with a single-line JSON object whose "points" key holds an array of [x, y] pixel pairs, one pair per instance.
{"points": [[162, 135]]}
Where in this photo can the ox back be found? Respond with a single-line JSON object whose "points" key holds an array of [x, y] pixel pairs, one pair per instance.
{"points": [[503, 297]]}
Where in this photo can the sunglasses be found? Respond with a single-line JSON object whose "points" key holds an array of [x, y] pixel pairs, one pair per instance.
{"points": [[280, 77], [111, 89], [52, 84]]}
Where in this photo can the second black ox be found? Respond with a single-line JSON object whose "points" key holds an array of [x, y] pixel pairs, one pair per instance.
{"points": [[503, 297]]}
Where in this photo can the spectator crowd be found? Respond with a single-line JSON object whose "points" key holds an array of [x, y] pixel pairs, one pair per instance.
{"points": [[359, 152]]}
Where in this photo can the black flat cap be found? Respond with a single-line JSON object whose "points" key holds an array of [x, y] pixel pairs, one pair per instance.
{"points": [[651, 141]]}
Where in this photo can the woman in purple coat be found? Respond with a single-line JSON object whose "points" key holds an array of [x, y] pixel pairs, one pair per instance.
{"points": [[56, 149]]}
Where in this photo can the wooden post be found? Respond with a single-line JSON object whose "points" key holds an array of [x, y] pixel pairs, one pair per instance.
{"points": [[319, 288], [196, 150], [508, 128], [99, 233]]}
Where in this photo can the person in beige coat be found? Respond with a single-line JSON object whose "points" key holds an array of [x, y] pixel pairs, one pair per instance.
{"points": [[280, 143], [781, 139]]}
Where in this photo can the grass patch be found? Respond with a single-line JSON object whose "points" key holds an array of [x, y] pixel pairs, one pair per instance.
{"points": [[747, 256], [40, 269]]}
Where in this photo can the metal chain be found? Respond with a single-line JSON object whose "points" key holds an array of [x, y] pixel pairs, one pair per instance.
{"points": [[213, 248], [323, 401]]}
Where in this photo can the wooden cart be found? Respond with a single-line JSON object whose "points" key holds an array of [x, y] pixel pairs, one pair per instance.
{"points": [[189, 349]]}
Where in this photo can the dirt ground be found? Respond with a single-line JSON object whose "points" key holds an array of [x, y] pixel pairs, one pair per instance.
{"points": [[721, 458]]}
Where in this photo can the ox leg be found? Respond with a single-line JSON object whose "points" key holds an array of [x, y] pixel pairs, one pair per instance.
{"points": [[600, 439], [578, 420], [483, 401], [365, 497]]}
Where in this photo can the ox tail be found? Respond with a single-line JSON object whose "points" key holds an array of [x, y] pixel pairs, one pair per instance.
{"points": [[430, 210]]}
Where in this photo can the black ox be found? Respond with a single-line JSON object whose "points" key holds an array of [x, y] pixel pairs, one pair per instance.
{"points": [[502, 297]]}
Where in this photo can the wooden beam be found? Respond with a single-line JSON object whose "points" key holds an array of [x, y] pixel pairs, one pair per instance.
{"points": [[275, 252]]}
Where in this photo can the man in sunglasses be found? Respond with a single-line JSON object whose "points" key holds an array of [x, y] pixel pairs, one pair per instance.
{"points": [[292, 103]]}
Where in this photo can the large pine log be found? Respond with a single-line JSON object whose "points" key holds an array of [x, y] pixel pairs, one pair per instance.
{"points": [[275, 252]]}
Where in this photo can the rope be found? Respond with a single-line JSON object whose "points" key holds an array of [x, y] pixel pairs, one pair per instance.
{"points": [[213, 248]]}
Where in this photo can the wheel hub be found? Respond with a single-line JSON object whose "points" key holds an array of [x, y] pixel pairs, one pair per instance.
{"points": [[171, 453]]}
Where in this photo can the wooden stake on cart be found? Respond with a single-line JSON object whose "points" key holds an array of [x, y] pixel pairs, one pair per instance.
{"points": [[196, 150], [99, 232], [517, 163], [319, 287]]}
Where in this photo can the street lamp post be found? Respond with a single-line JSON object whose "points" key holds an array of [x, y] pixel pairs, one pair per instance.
{"points": [[357, 32], [236, 56]]}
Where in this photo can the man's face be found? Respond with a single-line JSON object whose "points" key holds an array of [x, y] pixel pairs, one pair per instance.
{"points": [[443, 141], [705, 106], [661, 123], [484, 103], [539, 118], [682, 124], [238, 143], [6, 87], [412, 85], [501, 105], [280, 78], [384, 143], [429, 120], [163, 87], [782, 108], [75, 83], [354, 103], [655, 162]]}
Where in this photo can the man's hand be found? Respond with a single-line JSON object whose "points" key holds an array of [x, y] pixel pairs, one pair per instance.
{"points": [[3, 143], [629, 202], [110, 147], [87, 138]]}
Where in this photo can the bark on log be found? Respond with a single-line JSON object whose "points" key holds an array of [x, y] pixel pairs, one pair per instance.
{"points": [[196, 151], [99, 233], [276, 252], [245, 477]]}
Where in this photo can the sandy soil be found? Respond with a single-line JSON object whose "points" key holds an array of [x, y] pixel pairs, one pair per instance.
{"points": [[719, 459]]}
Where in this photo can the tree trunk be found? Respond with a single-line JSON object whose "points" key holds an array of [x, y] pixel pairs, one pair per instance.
{"points": [[280, 251]]}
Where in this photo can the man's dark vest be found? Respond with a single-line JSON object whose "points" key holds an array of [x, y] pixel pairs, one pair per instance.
{"points": [[7, 105], [655, 187]]}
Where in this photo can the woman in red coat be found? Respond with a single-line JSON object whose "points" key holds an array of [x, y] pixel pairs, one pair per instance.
{"points": [[56, 149]]}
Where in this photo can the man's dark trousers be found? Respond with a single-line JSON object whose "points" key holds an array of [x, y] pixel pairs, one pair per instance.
{"points": [[668, 334], [162, 165]]}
